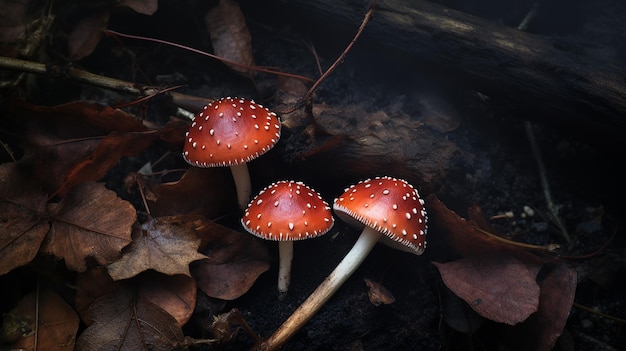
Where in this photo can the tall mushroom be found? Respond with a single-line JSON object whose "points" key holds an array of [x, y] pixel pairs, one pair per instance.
{"points": [[286, 211], [231, 132], [384, 207]]}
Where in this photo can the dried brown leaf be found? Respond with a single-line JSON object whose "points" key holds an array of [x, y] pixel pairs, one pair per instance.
{"points": [[87, 34], [91, 222], [122, 322], [12, 20], [235, 260], [22, 224], [109, 151], [164, 244], [144, 7], [74, 138], [175, 294], [378, 294], [498, 287], [230, 36], [91, 285], [44, 318], [206, 191], [542, 329]]}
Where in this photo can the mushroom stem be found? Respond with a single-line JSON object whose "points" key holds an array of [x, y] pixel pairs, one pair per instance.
{"points": [[324, 291], [241, 176], [285, 252]]}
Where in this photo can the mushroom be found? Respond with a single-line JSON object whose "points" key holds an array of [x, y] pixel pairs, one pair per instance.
{"points": [[384, 207], [286, 211], [230, 132]]}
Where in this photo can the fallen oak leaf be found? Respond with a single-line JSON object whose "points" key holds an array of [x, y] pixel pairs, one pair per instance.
{"points": [[164, 244], [91, 222], [23, 226], [41, 321], [123, 322]]}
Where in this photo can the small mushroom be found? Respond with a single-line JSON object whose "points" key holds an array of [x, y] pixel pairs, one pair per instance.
{"points": [[286, 211], [384, 207], [231, 132]]}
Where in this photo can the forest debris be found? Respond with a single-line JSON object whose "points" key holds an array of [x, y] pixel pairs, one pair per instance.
{"points": [[542, 329], [176, 294], [91, 222], [498, 287], [501, 61], [379, 141], [87, 34], [206, 191], [162, 244], [235, 260], [75, 142], [124, 322], [90, 285], [23, 229], [41, 320], [378, 294], [230, 36], [503, 282]]}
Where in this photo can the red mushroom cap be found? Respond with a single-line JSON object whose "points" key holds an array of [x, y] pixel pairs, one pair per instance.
{"points": [[389, 205], [230, 131], [288, 210]]}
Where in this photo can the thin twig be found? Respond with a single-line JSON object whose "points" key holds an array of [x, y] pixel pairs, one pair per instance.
{"points": [[180, 46], [552, 208], [551, 248], [341, 57]]}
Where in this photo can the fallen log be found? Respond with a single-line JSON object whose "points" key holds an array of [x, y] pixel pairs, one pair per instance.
{"points": [[545, 80]]}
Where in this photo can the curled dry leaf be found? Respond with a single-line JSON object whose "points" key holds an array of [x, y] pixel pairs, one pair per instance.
{"points": [[22, 225], [235, 260], [230, 35], [164, 244], [91, 222], [122, 322], [498, 287], [175, 294], [44, 319]]}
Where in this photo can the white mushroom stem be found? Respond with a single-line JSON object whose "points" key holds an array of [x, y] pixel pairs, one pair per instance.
{"points": [[324, 291], [241, 176], [285, 253]]}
